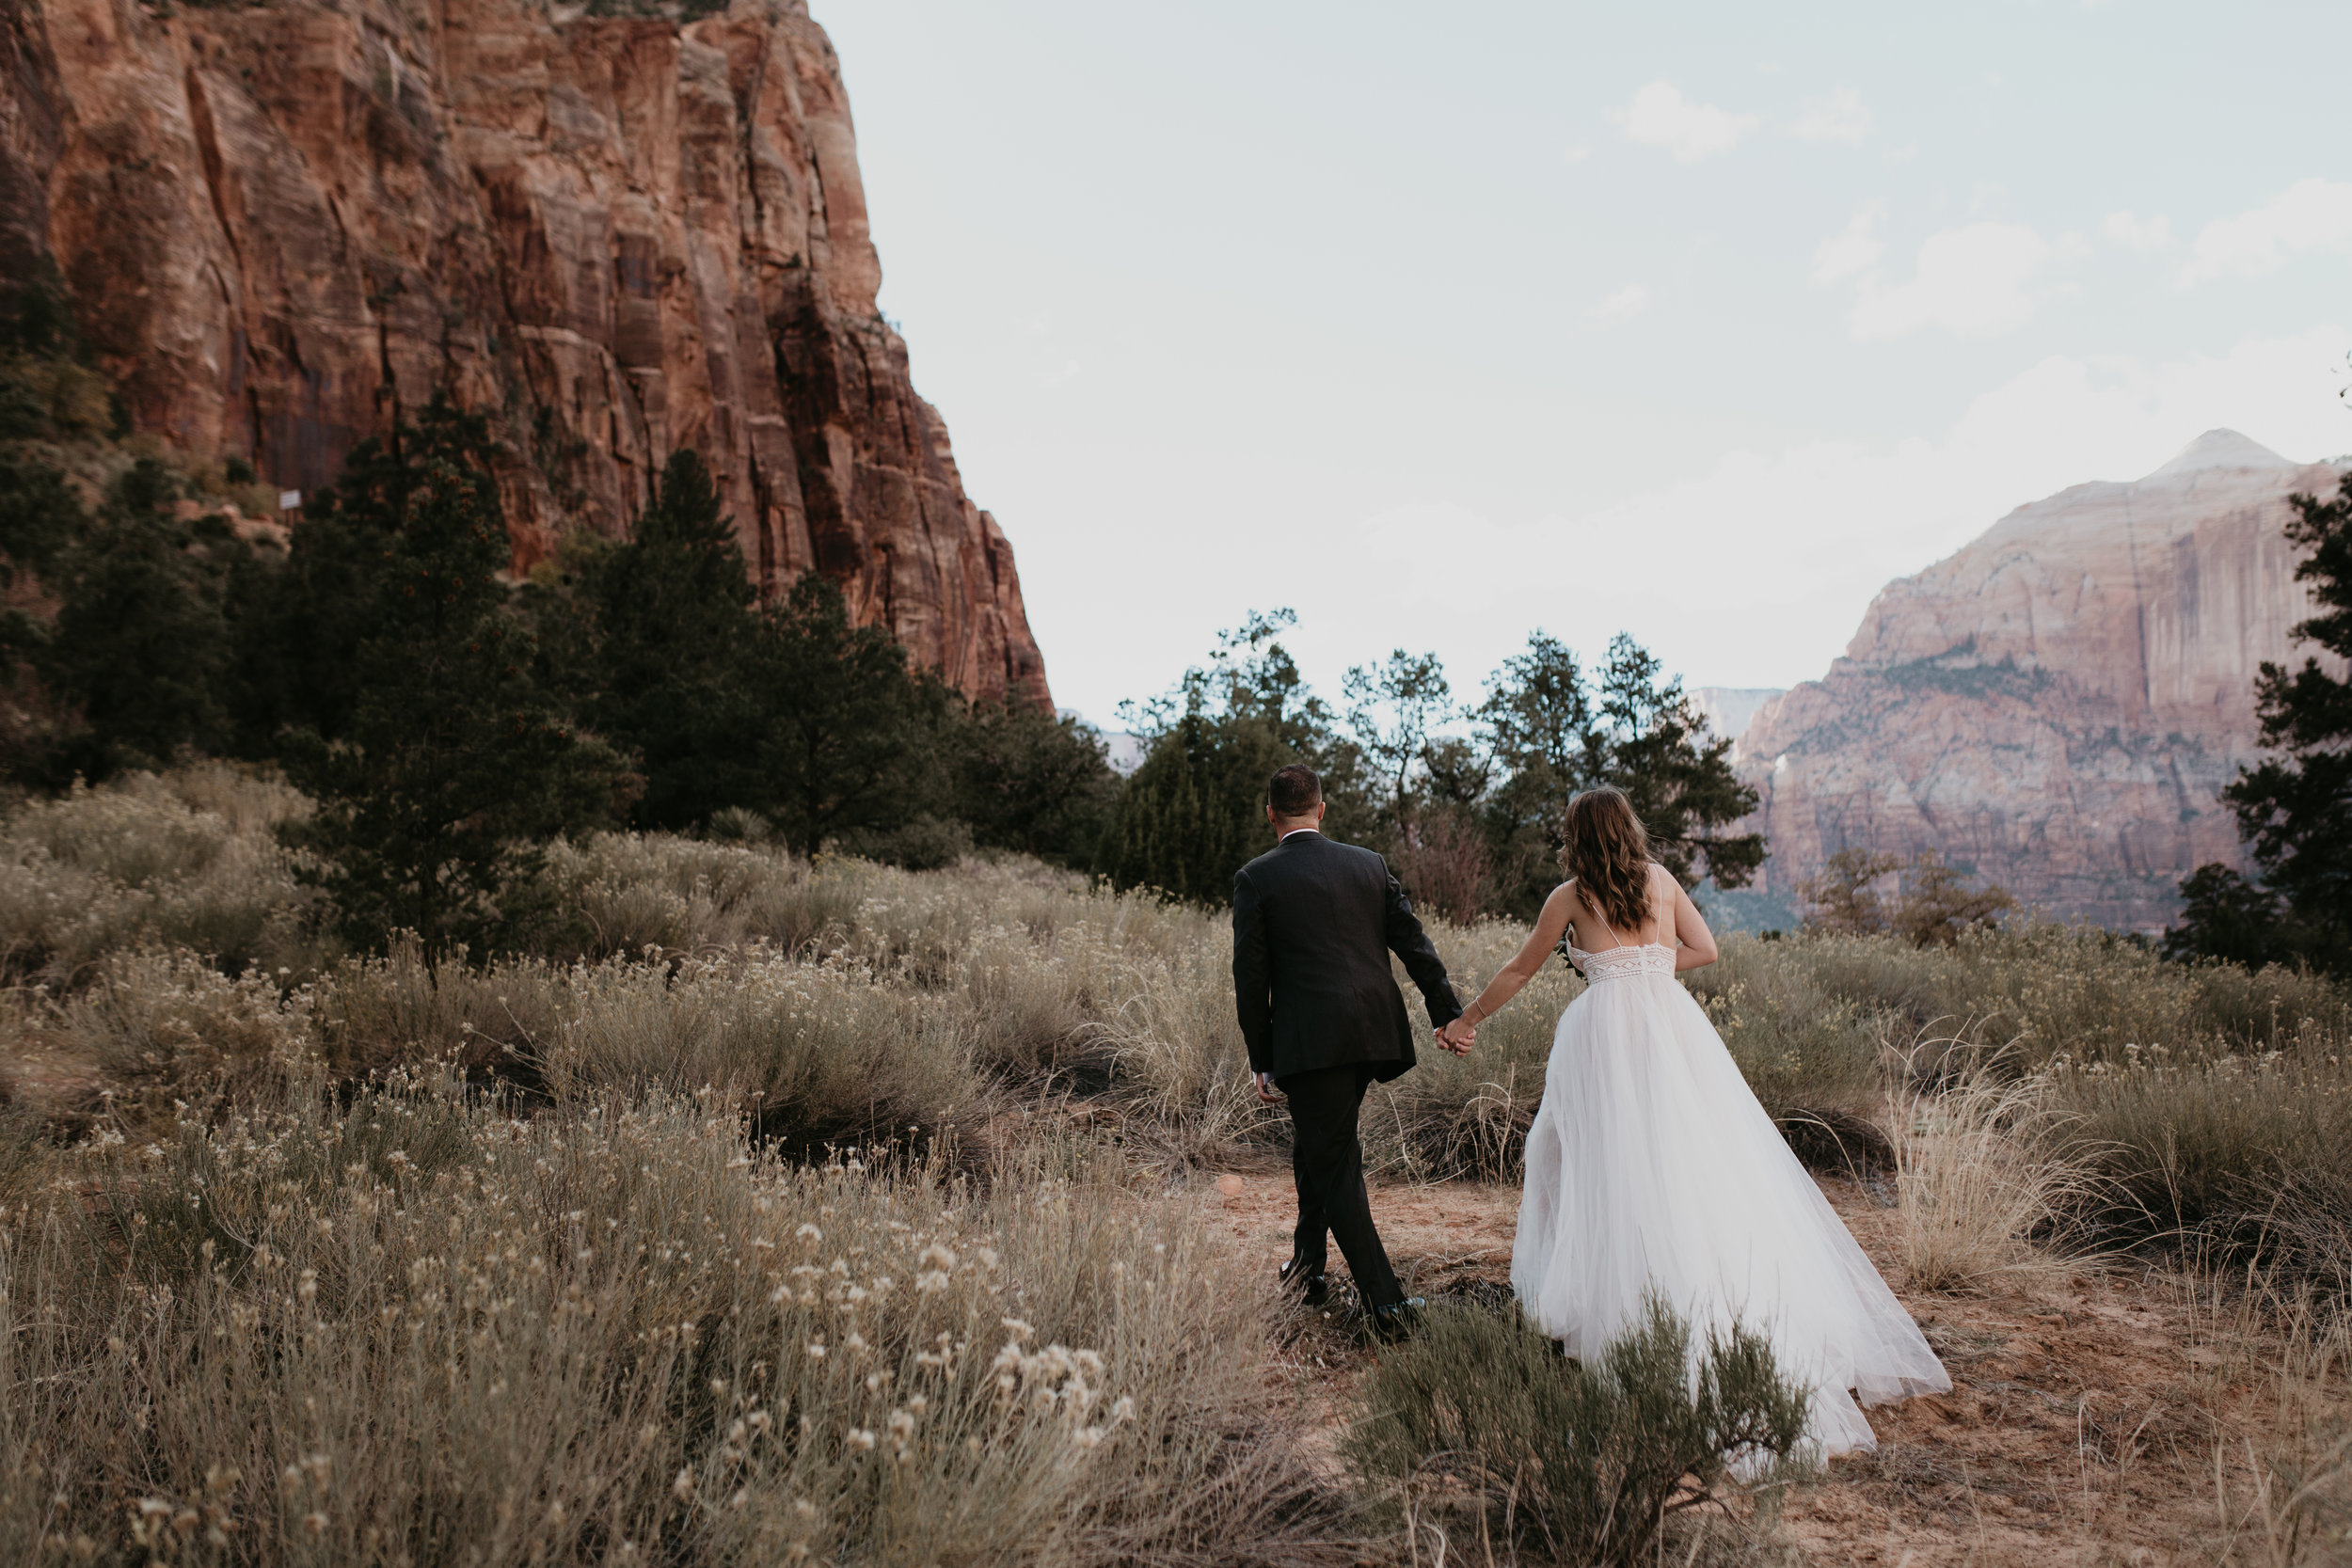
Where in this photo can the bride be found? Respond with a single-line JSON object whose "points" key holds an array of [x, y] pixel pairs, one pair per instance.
{"points": [[1650, 1167]]}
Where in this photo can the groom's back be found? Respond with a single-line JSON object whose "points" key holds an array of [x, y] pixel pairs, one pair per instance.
{"points": [[1326, 906], [1313, 928]]}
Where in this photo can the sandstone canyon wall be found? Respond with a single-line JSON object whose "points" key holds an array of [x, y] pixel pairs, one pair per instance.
{"points": [[2054, 706], [618, 236]]}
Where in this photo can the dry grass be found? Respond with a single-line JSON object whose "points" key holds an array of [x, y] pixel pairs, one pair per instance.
{"points": [[1982, 1186], [190, 860], [718, 1011], [410, 1329]]}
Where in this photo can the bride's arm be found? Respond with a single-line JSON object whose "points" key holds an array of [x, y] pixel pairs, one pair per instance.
{"points": [[1698, 944], [1549, 926]]}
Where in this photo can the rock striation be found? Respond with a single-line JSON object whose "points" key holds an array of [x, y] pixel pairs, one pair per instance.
{"points": [[2054, 706], [618, 235]]}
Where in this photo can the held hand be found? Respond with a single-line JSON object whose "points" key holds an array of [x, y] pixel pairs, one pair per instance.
{"points": [[1267, 1090], [1459, 1037]]}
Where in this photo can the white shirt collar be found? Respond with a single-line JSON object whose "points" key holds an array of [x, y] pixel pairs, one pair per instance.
{"points": [[1295, 832]]}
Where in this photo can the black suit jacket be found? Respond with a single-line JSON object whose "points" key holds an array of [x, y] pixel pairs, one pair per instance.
{"points": [[1313, 925]]}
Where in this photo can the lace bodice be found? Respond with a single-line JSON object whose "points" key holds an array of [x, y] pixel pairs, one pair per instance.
{"points": [[1620, 963]]}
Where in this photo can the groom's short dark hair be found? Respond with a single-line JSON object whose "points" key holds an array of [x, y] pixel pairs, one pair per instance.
{"points": [[1295, 791]]}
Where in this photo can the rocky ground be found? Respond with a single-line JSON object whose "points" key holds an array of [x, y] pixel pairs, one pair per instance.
{"points": [[2089, 1416]]}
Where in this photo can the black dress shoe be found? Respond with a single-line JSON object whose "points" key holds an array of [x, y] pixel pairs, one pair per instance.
{"points": [[1316, 1286], [1398, 1319]]}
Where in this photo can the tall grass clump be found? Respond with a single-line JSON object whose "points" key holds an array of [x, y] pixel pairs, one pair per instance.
{"points": [[1584, 1462], [164, 1028], [2248, 1152], [189, 859], [1987, 1175], [405, 1328], [2295, 1506], [810, 1053]]}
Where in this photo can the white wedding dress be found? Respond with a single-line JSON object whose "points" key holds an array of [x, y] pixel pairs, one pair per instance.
{"points": [[1650, 1167]]}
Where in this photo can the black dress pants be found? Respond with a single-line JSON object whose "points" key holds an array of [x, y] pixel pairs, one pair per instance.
{"points": [[1327, 1165]]}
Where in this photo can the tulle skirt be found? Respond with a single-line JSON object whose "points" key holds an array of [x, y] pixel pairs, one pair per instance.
{"points": [[1650, 1167]]}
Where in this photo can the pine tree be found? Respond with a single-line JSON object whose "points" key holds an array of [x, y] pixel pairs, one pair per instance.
{"points": [[1194, 812], [1552, 732], [1677, 776], [2295, 808], [2225, 916], [849, 738], [659, 664], [1029, 781], [447, 766], [140, 647]]}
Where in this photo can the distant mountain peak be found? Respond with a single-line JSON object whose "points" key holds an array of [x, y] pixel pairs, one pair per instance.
{"points": [[2221, 449]]}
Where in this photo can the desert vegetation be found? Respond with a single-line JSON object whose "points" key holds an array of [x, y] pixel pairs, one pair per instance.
{"points": [[766, 1204]]}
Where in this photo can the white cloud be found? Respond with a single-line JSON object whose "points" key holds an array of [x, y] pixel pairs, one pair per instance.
{"points": [[1575, 154], [1840, 117], [2134, 232], [1852, 251], [2310, 214], [1624, 304], [1660, 115], [1973, 282]]}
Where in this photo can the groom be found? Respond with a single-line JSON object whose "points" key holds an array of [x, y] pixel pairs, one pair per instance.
{"points": [[1313, 925]]}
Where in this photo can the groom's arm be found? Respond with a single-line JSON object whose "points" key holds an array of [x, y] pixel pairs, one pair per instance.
{"points": [[1253, 975], [1408, 941]]}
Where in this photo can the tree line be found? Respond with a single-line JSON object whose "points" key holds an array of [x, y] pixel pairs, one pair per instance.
{"points": [[1466, 800]]}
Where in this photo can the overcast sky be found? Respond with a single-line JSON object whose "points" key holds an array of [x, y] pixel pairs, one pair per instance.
{"points": [[1442, 323]]}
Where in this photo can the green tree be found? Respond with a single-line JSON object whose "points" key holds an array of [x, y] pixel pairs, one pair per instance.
{"points": [[1676, 773], [2225, 916], [1538, 719], [652, 640], [140, 648], [39, 516], [1194, 812], [449, 765], [2295, 808], [1029, 781], [1395, 711], [1552, 731], [849, 738]]}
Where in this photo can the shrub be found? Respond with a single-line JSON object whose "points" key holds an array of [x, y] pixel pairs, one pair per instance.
{"points": [[1812, 1057], [1586, 1461], [188, 859], [167, 1026]]}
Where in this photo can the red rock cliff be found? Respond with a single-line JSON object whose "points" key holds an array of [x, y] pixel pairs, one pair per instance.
{"points": [[619, 236], [2054, 706]]}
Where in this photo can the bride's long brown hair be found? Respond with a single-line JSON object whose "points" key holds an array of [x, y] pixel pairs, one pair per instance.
{"points": [[1608, 854]]}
